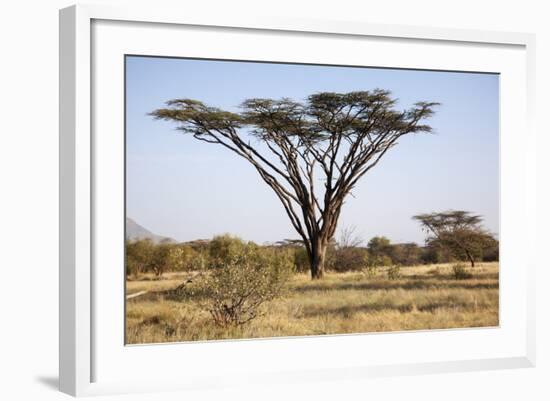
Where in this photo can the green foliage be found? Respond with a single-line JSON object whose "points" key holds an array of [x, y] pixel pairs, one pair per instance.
{"points": [[348, 259], [379, 246], [301, 260], [241, 282], [457, 231], [408, 254], [432, 254], [159, 260], [383, 253], [227, 246], [185, 258], [309, 121], [381, 260], [138, 256], [460, 272], [370, 271], [145, 256], [491, 252], [394, 272]]}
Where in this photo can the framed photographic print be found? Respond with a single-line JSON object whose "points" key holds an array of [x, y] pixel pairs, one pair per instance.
{"points": [[269, 201]]}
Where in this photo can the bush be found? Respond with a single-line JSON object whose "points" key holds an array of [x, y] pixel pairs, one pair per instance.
{"points": [[348, 259], [394, 272], [185, 258], [382, 260], [160, 259], [407, 254], [432, 254], [243, 281], [145, 256], [460, 273], [226, 246], [370, 271], [138, 256], [491, 253], [301, 260]]}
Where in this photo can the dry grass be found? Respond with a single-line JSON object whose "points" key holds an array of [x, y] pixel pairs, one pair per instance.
{"points": [[425, 297]]}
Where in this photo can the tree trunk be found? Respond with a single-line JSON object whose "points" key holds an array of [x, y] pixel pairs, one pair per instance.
{"points": [[317, 260], [470, 258]]}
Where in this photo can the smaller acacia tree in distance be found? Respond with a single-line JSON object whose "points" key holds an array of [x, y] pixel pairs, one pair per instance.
{"points": [[458, 231]]}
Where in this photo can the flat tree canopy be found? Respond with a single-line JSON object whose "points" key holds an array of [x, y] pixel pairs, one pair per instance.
{"points": [[332, 138], [458, 231]]}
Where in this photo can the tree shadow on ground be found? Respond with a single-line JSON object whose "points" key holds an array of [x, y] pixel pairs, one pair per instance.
{"points": [[404, 285], [347, 311]]}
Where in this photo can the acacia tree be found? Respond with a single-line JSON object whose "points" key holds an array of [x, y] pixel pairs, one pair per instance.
{"points": [[458, 231], [336, 136]]}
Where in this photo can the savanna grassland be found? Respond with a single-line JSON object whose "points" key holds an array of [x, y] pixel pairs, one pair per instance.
{"points": [[311, 154], [422, 297]]}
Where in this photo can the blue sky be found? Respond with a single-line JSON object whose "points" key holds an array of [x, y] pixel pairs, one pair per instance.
{"points": [[187, 189]]}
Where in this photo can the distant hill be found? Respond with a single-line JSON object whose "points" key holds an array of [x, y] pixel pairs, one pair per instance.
{"points": [[135, 232]]}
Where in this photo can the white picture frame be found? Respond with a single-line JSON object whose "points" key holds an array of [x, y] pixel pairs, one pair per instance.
{"points": [[85, 352]]}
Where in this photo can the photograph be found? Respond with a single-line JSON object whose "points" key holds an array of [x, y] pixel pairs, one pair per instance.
{"points": [[274, 199]]}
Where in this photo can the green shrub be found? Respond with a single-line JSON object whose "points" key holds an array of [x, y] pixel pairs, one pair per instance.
{"points": [[460, 273], [137, 256], [394, 272], [407, 254], [301, 260], [185, 258], [348, 258], [240, 283], [144, 256], [160, 259], [380, 260], [370, 271], [224, 247]]}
